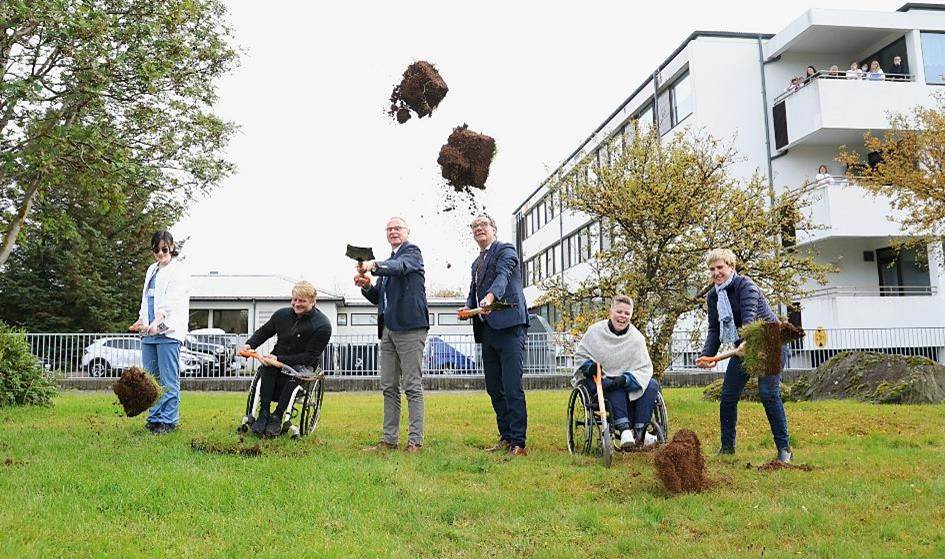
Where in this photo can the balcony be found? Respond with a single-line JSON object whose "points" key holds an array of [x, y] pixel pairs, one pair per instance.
{"points": [[834, 110], [873, 307], [840, 208]]}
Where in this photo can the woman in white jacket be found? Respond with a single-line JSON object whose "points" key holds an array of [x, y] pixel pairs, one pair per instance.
{"points": [[162, 321]]}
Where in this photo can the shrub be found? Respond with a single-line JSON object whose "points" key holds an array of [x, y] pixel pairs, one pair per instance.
{"points": [[23, 382]]}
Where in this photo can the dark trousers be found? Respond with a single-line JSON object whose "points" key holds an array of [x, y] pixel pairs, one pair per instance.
{"points": [[624, 412], [271, 383], [502, 354], [769, 389]]}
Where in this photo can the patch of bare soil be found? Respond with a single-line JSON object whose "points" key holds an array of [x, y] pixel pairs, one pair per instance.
{"points": [[231, 448]]}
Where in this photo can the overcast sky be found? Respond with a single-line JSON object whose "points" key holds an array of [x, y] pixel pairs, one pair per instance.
{"points": [[319, 163]]}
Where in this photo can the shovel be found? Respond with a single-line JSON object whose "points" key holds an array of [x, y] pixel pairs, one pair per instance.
{"points": [[469, 313], [283, 368]]}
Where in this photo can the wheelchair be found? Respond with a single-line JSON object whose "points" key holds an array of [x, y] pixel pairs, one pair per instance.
{"points": [[586, 432], [305, 404]]}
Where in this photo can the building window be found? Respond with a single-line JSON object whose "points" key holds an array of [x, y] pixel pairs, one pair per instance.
{"points": [[645, 118], [341, 319], [231, 321], [448, 319], [363, 319], [595, 237], [665, 107], [902, 273], [199, 318], [682, 99], [933, 57], [556, 258], [430, 320]]}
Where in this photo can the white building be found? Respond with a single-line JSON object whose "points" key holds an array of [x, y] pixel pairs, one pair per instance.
{"points": [[734, 85], [239, 304]]}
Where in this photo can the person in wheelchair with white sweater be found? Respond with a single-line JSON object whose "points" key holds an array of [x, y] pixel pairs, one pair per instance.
{"points": [[626, 371]]}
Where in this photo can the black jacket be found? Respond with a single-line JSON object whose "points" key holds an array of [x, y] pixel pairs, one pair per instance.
{"points": [[748, 305], [300, 340], [402, 279]]}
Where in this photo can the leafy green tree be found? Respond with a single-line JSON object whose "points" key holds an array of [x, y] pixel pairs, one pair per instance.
{"points": [[119, 92], [664, 204]]}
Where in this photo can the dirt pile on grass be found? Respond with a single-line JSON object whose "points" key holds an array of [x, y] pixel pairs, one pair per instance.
{"points": [[465, 158], [680, 464], [775, 466], [763, 341], [713, 392], [874, 377], [234, 448], [421, 90], [136, 391]]}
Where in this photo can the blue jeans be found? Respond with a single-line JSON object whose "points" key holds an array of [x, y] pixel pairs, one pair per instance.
{"points": [[162, 359], [502, 360], [769, 388], [622, 410]]}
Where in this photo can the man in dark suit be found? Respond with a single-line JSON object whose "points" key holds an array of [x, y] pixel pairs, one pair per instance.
{"points": [[402, 324], [497, 276]]}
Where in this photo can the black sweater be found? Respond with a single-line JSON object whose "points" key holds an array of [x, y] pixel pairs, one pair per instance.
{"points": [[300, 340]]}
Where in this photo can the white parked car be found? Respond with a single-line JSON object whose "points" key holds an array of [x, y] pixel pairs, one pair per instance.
{"points": [[110, 356]]}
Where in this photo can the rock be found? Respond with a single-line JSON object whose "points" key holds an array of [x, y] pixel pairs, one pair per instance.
{"points": [[874, 377]]}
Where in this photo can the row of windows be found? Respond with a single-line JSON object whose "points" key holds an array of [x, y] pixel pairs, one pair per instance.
{"points": [[370, 319], [675, 104], [232, 321], [577, 247]]}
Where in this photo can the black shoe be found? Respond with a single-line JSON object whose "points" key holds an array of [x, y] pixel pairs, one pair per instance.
{"points": [[274, 427], [725, 450], [259, 426], [163, 428], [151, 426]]}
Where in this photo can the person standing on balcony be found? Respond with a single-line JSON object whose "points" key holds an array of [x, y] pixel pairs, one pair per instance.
{"points": [[402, 324], [823, 176], [875, 72], [854, 73], [734, 302], [834, 72], [809, 74], [302, 333], [162, 321], [898, 69], [497, 276]]}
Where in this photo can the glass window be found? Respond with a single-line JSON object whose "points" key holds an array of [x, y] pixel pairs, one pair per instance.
{"points": [[646, 118], [904, 269], [606, 237], [199, 318], [556, 258], [430, 320], [341, 319], [448, 319], [529, 272], [231, 321], [549, 263], [584, 244], [595, 237], [539, 272], [933, 57], [363, 319], [682, 99], [665, 107], [581, 243]]}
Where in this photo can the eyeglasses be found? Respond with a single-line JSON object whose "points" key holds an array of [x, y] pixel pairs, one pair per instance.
{"points": [[477, 224], [156, 250], [395, 228]]}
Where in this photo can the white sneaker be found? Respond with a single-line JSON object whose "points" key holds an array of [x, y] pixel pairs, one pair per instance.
{"points": [[626, 439], [649, 439]]}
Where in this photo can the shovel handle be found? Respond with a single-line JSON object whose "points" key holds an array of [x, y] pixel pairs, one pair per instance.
{"points": [[252, 354]]}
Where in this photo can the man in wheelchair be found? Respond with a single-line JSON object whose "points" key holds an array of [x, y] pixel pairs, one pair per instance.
{"points": [[302, 332], [627, 372]]}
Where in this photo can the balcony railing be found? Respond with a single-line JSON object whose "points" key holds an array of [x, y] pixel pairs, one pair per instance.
{"points": [[842, 75], [873, 291]]}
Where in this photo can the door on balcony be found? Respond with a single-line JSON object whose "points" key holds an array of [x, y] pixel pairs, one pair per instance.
{"points": [[905, 272]]}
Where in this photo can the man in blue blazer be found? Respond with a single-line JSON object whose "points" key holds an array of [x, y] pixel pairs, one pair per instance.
{"points": [[402, 324], [497, 276]]}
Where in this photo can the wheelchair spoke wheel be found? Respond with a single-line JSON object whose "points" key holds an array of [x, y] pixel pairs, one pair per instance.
{"points": [[659, 425], [312, 406], [580, 427], [252, 401]]}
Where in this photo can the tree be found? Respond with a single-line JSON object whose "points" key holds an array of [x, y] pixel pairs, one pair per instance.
{"points": [[910, 169], [664, 205], [120, 90]]}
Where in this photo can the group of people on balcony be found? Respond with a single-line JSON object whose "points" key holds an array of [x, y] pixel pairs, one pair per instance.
{"points": [[871, 71]]}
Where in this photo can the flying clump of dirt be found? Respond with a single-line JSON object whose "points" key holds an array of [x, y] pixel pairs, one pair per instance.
{"points": [[421, 90], [465, 159], [680, 464], [136, 391]]}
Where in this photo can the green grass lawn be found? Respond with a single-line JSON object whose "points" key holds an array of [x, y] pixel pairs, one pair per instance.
{"points": [[76, 480]]}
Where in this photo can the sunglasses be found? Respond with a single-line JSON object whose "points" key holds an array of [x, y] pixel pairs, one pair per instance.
{"points": [[156, 250]]}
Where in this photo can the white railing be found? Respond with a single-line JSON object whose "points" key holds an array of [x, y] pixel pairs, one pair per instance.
{"points": [[841, 75], [106, 355], [872, 291]]}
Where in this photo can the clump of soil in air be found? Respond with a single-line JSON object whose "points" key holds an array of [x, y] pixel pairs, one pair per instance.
{"points": [[465, 159], [136, 391], [763, 341], [774, 465], [680, 464], [228, 448], [421, 90], [876, 378]]}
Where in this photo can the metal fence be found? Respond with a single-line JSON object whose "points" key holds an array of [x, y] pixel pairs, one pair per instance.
{"points": [[107, 354]]}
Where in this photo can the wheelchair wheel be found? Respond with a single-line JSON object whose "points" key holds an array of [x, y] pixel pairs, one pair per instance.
{"points": [[659, 424], [252, 402], [581, 423], [312, 406]]}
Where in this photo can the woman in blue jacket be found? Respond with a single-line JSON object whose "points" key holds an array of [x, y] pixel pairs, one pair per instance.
{"points": [[733, 302]]}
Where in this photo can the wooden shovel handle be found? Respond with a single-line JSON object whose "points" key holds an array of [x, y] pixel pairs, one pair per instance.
{"points": [[252, 354]]}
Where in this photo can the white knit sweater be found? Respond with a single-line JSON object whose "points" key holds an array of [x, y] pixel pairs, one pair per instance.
{"points": [[617, 354]]}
